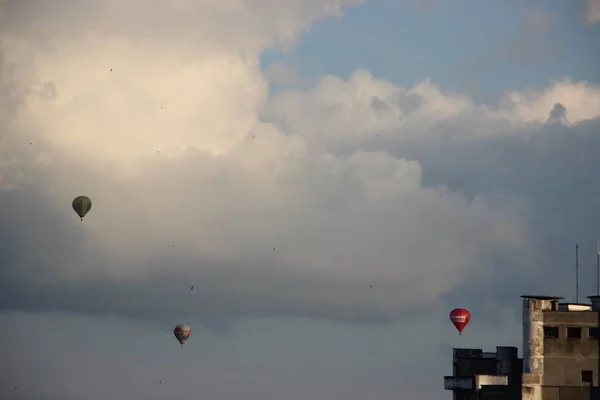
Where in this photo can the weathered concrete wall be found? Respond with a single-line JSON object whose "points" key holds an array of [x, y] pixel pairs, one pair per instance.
{"points": [[566, 393], [571, 318], [550, 393], [531, 389], [533, 334], [533, 346], [565, 358]]}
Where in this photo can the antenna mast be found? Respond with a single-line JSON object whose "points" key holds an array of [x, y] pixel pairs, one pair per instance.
{"points": [[598, 269], [577, 272]]}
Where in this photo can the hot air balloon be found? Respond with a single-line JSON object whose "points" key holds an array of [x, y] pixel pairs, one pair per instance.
{"points": [[460, 317], [182, 333], [82, 205]]}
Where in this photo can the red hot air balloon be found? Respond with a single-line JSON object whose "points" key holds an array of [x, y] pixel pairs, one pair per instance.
{"points": [[460, 317]]}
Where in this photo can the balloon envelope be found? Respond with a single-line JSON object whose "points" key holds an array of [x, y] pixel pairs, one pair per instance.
{"points": [[182, 333], [82, 205], [460, 317]]}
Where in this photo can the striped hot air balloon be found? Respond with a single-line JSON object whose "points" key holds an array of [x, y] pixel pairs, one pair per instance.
{"points": [[182, 333]]}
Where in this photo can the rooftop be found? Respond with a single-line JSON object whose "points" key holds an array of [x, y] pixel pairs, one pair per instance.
{"points": [[527, 296]]}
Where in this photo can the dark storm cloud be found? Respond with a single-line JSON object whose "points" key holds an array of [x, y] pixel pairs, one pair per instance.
{"points": [[556, 171]]}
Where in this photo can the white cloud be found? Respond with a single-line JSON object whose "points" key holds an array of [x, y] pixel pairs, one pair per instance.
{"points": [[581, 99], [143, 104], [361, 108]]}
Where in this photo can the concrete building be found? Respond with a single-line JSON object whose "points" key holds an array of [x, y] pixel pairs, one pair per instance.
{"points": [[482, 375], [560, 357]]}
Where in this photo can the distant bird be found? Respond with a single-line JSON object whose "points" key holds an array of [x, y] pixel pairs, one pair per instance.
{"points": [[192, 288]]}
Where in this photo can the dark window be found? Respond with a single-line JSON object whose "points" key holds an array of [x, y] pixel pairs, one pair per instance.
{"points": [[573, 332], [594, 333], [587, 377], [551, 331]]}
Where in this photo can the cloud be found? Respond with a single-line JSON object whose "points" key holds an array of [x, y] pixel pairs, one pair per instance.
{"points": [[205, 25], [191, 187], [535, 149], [281, 75], [354, 200], [350, 113], [592, 14], [558, 115], [294, 204]]}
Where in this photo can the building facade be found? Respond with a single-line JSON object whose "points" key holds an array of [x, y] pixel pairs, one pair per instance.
{"points": [[561, 343], [483, 375]]}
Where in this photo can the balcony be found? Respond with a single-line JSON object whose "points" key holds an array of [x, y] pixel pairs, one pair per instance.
{"points": [[473, 382], [459, 383]]}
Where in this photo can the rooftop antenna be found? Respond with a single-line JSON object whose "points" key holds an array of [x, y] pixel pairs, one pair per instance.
{"points": [[576, 272], [598, 269]]}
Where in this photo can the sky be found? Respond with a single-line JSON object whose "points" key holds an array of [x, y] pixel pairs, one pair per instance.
{"points": [[331, 177]]}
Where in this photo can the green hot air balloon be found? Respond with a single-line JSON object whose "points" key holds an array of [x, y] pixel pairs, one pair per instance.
{"points": [[82, 205]]}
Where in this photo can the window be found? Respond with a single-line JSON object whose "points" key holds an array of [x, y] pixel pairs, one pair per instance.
{"points": [[551, 331], [587, 377], [573, 332], [594, 333]]}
